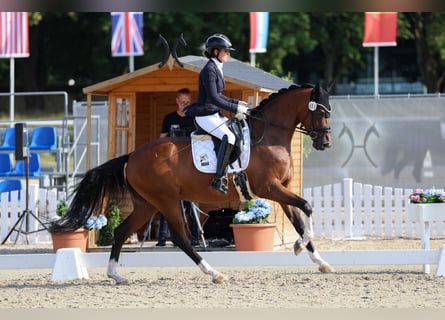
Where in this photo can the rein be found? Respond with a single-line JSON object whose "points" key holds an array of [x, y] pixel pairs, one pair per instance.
{"points": [[312, 133]]}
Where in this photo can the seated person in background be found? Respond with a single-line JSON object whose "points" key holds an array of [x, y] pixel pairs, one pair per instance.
{"points": [[177, 124]]}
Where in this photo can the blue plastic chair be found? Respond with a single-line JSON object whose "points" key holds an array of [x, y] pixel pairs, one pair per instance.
{"points": [[34, 166], [5, 164], [43, 138], [9, 140], [10, 185]]}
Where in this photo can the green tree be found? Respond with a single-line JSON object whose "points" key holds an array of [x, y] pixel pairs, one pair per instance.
{"points": [[289, 35], [339, 37], [307, 46], [426, 28]]}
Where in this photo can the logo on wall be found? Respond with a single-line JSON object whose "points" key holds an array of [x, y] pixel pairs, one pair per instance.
{"points": [[345, 130]]}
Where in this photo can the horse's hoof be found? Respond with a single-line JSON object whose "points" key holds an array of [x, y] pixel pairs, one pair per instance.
{"points": [[298, 247], [219, 278], [118, 279], [325, 268], [122, 282]]}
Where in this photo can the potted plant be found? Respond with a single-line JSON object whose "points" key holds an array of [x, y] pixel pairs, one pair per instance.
{"points": [[428, 196], [74, 238], [106, 234], [427, 205], [252, 230]]}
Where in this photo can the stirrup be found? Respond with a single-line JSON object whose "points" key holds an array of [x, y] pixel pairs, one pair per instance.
{"points": [[220, 184]]}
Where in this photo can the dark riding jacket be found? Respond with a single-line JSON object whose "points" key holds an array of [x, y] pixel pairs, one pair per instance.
{"points": [[210, 97]]}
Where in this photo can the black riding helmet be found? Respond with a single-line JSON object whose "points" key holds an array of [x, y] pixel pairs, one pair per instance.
{"points": [[217, 41]]}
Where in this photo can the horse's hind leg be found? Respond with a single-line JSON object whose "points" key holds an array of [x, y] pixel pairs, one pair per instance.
{"points": [[173, 215], [142, 212], [303, 226]]}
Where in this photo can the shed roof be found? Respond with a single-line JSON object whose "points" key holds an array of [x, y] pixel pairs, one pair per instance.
{"points": [[235, 71]]}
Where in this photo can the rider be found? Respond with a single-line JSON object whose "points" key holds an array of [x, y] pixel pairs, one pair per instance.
{"points": [[207, 110]]}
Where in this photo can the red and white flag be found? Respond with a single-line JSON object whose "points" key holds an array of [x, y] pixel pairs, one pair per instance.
{"points": [[14, 38], [380, 29], [259, 29]]}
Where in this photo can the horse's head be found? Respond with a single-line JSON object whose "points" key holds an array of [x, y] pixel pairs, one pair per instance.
{"points": [[317, 122]]}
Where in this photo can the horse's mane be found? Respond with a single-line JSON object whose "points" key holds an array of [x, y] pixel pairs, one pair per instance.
{"points": [[280, 92]]}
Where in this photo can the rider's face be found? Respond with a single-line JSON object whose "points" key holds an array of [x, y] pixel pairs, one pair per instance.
{"points": [[223, 55]]}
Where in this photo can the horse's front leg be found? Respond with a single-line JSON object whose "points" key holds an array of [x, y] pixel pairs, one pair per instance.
{"points": [[303, 226]]}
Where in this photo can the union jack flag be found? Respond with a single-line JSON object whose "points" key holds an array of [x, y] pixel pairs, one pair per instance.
{"points": [[126, 30], [14, 40]]}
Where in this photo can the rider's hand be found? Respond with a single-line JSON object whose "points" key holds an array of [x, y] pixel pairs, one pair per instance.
{"points": [[242, 107]]}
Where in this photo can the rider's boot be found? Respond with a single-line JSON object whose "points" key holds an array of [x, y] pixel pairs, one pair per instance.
{"points": [[220, 182]]}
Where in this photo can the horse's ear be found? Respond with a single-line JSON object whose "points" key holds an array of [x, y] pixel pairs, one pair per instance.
{"points": [[331, 85]]}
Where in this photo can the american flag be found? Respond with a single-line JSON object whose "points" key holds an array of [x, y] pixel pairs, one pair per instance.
{"points": [[126, 30], [14, 40]]}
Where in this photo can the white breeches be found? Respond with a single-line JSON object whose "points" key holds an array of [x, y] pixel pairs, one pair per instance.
{"points": [[215, 124]]}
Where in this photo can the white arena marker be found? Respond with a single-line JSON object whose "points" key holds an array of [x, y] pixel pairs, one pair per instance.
{"points": [[69, 265]]}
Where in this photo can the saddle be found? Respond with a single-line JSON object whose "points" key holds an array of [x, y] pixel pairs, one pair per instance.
{"points": [[205, 147]]}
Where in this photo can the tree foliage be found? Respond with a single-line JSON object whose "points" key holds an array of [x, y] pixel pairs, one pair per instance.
{"points": [[308, 47]]}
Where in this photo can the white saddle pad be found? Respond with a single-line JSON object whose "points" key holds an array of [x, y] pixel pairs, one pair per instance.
{"points": [[204, 157]]}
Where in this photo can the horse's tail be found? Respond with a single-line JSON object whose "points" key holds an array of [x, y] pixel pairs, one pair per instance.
{"points": [[103, 183]]}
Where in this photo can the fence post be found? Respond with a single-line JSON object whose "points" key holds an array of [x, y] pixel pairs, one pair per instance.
{"points": [[388, 211], [358, 196], [378, 210], [347, 184], [367, 210], [338, 209], [327, 205], [398, 204], [317, 212]]}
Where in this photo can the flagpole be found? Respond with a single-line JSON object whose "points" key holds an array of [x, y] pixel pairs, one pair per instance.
{"points": [[131, 62], [376, 71], [252, 59], [11, 88]]}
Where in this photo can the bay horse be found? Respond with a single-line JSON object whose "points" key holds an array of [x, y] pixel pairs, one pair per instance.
{"points": [[161, 173]]}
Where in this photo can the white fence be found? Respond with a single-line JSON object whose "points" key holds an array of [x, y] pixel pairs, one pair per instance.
{"points": [[342, 210], [354, 210], [41, 203]]}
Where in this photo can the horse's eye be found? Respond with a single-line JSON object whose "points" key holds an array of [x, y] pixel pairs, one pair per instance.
{"points": [[322, 113]]}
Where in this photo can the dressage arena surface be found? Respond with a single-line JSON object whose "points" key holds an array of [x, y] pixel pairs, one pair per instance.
{"points": [[354, 287]]}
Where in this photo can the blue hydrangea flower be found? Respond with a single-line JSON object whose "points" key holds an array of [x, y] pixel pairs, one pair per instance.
{"points": [[96, 222], [254, 212]]}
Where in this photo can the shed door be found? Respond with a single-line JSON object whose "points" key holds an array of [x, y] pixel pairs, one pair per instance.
{"points": [[121, 127]]}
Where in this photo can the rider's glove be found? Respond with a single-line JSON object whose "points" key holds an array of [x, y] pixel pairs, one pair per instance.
{"points": [[242, 107]]}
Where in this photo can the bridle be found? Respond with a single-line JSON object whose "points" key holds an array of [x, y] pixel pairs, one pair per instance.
{"points": [[313, 132]]}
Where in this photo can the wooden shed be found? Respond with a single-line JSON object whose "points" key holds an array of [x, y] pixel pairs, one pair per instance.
{"points": [[138, 102]]}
